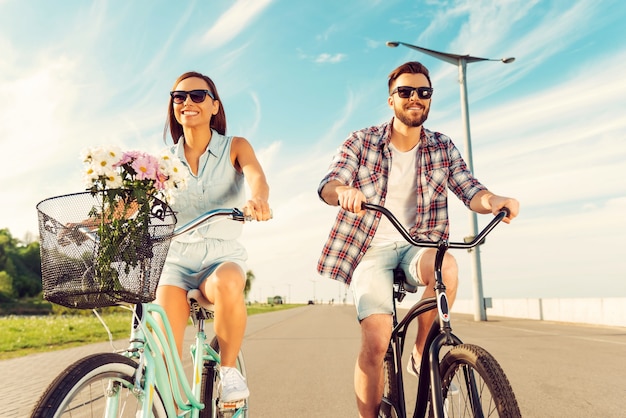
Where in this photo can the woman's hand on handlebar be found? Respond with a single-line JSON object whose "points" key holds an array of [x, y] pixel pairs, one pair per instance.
{"points": [[257, 209]]}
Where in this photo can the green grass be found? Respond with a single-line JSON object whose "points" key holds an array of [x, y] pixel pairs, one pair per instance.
{"points": [[23, 335]]}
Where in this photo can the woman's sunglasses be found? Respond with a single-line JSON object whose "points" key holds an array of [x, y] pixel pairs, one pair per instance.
{"points": [[197, 96], [405, 92]]}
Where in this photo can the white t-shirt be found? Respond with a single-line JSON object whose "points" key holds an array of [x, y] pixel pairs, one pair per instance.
{"points": [[401, 195]]}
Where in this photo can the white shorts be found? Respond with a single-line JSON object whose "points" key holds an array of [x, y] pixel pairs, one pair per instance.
{"points": [[372, 280], [189, 264]]}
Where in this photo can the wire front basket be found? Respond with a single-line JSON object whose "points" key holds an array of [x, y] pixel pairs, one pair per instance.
{"points": [[72, 273]]}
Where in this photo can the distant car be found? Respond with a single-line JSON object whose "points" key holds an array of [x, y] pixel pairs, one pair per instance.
{"points": [[275, 300], [311, 302]]}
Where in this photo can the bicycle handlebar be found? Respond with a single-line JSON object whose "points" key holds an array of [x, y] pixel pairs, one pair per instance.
{"points": [[234, 214], [456, 245]]}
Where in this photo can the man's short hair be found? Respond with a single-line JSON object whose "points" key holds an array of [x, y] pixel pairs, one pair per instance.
{"points": [[411, 67]]}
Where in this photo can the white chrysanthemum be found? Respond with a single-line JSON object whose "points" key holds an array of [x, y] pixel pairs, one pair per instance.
{"points": [[115, 153], [101, 159], [179, 175], [85, 155], [90, 177], [114, 179], [174, 169], [169, 196]]}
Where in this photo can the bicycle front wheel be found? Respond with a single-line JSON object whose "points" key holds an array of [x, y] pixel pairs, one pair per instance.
{"points": [[210, 389], [390, 389], [100, 385], [474, 384]]}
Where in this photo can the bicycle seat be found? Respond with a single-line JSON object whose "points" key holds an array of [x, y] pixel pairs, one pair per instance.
{"points": [[400, 278], [200, 306]]}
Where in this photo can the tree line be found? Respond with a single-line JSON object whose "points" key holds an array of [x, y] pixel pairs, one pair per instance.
{"points": [[20, 268]]}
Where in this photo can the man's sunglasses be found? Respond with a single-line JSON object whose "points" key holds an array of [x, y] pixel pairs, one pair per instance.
{"points": [[405, 92], [197, 96]]}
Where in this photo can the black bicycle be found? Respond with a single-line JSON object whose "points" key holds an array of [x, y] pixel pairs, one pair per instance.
{"points": [[463, 380]]}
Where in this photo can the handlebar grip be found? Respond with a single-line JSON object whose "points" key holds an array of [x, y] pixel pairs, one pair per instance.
{"points": [[248, 218]]}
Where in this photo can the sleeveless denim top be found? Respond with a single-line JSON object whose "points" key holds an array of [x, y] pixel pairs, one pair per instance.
{"points": [[217, 185]]}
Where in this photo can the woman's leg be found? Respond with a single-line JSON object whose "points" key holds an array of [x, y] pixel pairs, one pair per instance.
{"points": [[225, 289], [174, 301]]}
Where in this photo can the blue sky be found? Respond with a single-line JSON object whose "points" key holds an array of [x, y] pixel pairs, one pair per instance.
{"points": [[297, 77]]}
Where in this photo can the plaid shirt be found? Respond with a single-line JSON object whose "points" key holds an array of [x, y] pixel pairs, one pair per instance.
{"points": [[363, 161]]}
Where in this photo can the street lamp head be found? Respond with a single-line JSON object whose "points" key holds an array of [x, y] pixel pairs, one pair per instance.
{"points": [[392, 44], [508, 60]]}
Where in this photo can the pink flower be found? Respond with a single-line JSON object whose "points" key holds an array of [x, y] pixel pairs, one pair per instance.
{"points": [[127, 157], [161, 179], [146, 167]]}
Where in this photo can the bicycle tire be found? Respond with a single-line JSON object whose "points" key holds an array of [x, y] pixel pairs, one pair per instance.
{"points": [[390, 389], [80, 390], [465, 362], [210, 387]]}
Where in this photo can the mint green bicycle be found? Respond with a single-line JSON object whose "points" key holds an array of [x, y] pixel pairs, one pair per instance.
{"points": [[146, 379]]}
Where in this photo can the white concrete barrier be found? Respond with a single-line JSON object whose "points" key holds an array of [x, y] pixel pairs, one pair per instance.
{"points": [[598, 311]]}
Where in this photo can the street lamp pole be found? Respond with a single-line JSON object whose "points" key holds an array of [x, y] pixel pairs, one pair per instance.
{"points": [[461, 62]]}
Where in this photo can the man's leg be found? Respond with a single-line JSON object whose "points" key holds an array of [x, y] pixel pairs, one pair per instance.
{"points": [[368, 372], [372, 287]]}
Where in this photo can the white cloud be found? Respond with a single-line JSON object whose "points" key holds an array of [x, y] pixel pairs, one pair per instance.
{"points": [[330, 58], [232, 22], [250, 131], [36, 116], [325, 36], [372, 43]]}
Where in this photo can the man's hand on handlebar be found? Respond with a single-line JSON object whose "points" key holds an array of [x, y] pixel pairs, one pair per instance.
{"points": [[350, 199], [500, 202]]}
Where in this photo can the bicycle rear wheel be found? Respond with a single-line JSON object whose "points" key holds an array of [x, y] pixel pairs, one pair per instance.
{"points": [[87, 387], [210, 389], [474, 384]]}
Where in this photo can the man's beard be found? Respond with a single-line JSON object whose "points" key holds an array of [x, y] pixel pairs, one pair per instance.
{"points": [[412, 122]]}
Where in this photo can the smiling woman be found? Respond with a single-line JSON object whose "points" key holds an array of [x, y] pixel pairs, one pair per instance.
{"points": [[211, 259]]}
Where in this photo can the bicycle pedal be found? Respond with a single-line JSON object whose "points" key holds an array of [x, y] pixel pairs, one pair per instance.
{"points": [[230, 405]]}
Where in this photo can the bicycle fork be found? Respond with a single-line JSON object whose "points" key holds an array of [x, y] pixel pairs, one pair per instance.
{"points": [[440, 335]]}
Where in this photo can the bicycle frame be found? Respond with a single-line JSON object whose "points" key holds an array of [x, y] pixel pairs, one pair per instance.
{"points": [[440, 334], [164, 368]]}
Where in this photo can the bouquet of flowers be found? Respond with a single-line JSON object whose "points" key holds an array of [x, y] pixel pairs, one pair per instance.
{"points": [[130, 186]]}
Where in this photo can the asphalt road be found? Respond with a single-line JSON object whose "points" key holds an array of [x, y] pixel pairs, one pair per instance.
{"points": [[300, 364]]}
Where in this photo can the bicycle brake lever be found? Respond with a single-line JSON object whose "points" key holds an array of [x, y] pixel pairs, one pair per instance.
{"points": [[238, 215]]}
